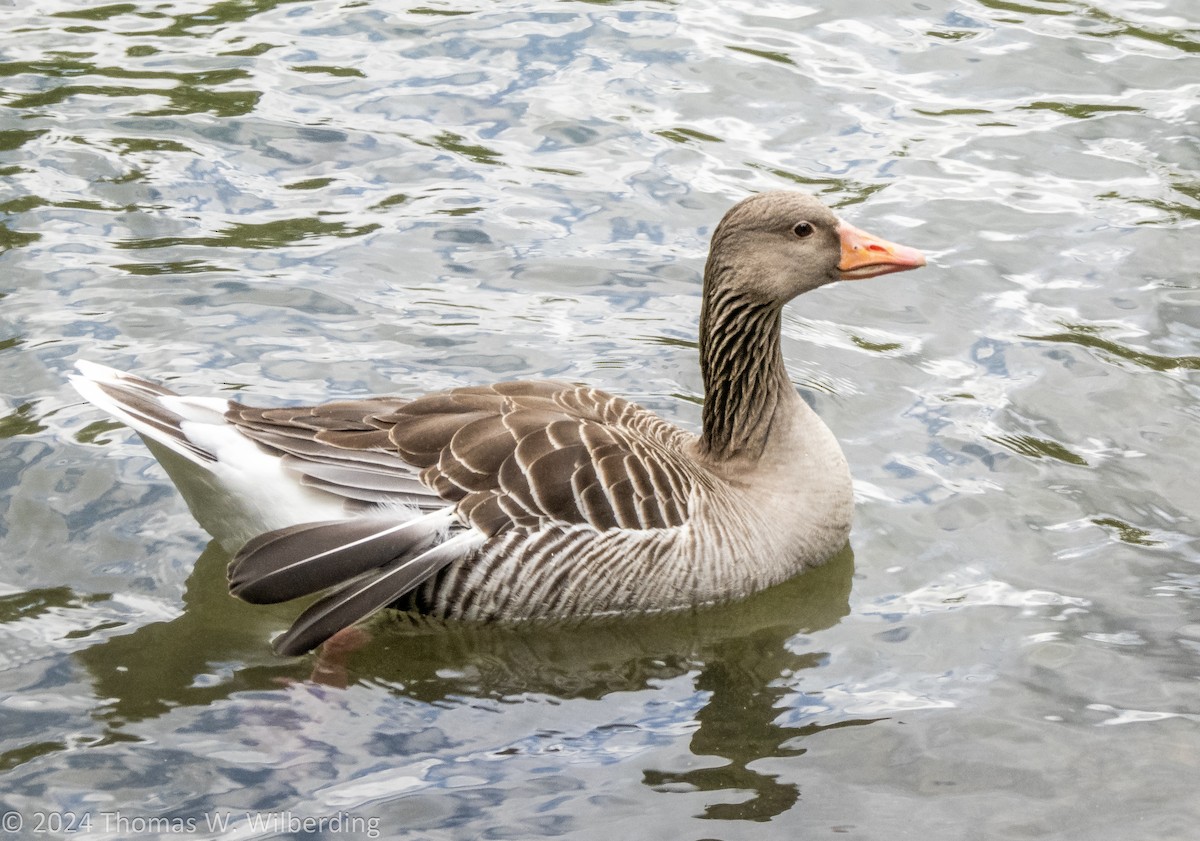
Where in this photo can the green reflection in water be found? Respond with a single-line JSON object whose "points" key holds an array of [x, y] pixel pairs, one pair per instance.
{"points": [[256, 50], [1127, 533], [22, 204], [216, 16], [184, 99], [128, 145], [952, 34], [20, 421], [1022, 8], [94, 432], [1174, 210], [459, 211], [64, 68], [554, 170], [854, 192], [98, 12], [27, 203], [952, 112], [16, 138], [1179, 40], [1114, 26], [475, 152], [1085, 337], [1078, 110], [1029, 445], [18, 756], [310, 184], [679, 134], [275, 234], [328, 70], [390, 201], [33, 603], [876, 347], [170, 267], [425, 10], [770, 55], [10, 239]]}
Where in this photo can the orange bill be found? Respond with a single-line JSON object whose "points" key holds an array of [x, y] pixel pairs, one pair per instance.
{"points": [[866, 255]]}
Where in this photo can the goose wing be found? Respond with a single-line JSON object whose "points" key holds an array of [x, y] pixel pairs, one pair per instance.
{"points": [[524, 454], [533, 454]]}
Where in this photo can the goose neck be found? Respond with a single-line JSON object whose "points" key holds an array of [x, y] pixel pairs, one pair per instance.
{"points": [[746, 383]]}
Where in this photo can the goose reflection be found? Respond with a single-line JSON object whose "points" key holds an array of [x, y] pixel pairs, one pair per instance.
{"points": [[745, 657]]}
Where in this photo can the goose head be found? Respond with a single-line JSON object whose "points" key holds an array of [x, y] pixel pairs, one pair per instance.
{"points": [[774, 246]]}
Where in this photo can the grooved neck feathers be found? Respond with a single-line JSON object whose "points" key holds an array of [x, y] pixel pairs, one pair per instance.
{"points": [[743, 369]]}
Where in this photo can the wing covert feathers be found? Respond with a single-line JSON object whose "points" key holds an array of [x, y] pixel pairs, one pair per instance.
{"points": [[527, 454]]}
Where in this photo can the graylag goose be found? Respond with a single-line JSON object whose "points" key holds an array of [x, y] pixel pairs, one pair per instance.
{"points": [[534, 499]]}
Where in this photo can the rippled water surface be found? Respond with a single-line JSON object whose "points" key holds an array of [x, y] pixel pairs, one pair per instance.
{"points": [[305, 200]]}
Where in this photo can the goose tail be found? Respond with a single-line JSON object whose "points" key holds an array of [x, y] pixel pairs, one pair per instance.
{"points": [[152, 410], [370, 562]]}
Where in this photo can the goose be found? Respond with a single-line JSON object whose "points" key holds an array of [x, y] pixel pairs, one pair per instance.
{"points": [[534, 499]]}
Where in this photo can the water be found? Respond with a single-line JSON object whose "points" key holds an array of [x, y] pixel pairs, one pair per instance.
{"points": [[304, 200]]}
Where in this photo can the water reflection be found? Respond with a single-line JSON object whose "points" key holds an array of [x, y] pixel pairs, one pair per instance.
{"points": [[744, 658], [1086, 336]]}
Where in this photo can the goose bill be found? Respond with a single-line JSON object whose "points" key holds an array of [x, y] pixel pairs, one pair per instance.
{"points": [[866, 255]]}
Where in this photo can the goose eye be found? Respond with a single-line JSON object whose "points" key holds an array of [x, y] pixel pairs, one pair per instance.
{"points": [[803, 229]]}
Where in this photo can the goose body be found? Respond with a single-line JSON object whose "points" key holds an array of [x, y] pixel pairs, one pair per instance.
{"points": [[536, 498]]}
